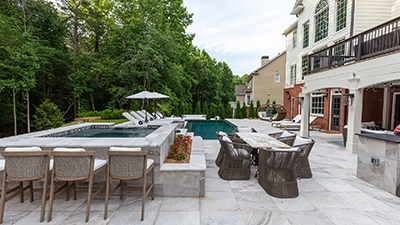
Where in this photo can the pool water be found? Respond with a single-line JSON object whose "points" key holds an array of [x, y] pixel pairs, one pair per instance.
{"points": [[134, 132], [207, 128]]}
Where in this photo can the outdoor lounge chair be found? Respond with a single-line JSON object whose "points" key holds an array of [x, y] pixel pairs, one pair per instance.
{"points": [[277, 172], [138, 117], [236, 161], [305, 146], [285, 137], [132, 119], [71, 165], [151, 117], [295, 119], [292, 125], [21, 165], [144, 116], [129, 164]]}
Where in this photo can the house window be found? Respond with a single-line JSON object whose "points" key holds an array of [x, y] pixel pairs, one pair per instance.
{"points": [[248, 99], [293, 75], [318, 60], [306, 30], [294, 39], [321, 20], [341, 14], [304, 66], [277, 78], [317, 102]]}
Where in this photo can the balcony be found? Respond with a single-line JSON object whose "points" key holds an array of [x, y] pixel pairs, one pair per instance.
{"points": [[377, 41]]}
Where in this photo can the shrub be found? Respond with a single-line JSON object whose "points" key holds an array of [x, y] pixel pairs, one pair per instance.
{"points": [[47, 116]]}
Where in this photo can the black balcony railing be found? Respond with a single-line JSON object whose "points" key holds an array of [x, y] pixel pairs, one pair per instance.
{"points": [[376, 41]]}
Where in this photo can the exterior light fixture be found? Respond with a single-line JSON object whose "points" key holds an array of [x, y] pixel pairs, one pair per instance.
{"points": [[300, 100], [348, 99]]}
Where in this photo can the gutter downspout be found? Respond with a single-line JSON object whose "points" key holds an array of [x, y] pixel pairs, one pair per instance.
{"points": [[353, 6]]}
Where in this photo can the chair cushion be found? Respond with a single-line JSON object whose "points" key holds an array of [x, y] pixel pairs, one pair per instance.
{"points": [[69, 149], [2, 162], [227, 139], [149, 163], [300, 140], [285, 149], [98, 163], [222, 133], [245, 129], [23, 149], [287, 134], [125, 149]]}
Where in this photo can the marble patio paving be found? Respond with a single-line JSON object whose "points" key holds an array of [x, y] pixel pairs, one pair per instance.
{"points": [[334, 195]]}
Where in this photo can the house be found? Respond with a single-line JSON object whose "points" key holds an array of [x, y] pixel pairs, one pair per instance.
{"points": [[342, 64], [240, 92], [267, 81]]}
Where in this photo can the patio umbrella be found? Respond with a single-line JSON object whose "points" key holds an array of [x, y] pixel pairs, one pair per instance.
{"points": [[147, 95]]}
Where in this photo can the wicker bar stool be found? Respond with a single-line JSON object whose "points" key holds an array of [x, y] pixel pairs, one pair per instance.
{"points": [[129, 164], [71, 165], [21, 165]]}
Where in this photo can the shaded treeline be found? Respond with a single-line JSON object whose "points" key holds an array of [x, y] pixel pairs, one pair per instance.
{"points": [[88, 55]]}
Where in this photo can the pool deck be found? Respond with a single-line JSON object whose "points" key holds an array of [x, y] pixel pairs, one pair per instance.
{"points": [[334, 195]]}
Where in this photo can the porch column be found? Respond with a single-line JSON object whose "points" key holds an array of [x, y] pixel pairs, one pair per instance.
{"points": [[354, 121], [385, 110], [305, 116]]}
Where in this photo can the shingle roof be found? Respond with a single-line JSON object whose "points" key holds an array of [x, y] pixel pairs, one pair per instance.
{"points": [[240, 89]]}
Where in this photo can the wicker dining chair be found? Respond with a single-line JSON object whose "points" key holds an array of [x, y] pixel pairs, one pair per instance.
{"points": [[285, 137], [305, 146], [25, 165], [236, 161], [126, 164], [278, 172], [71, 165], [221, 153]]}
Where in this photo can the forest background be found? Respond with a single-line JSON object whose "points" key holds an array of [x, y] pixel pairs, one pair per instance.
{"points": [[85, 56]]}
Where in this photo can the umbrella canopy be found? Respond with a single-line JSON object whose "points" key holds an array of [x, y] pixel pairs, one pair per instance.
{"points": [[147, 95]]}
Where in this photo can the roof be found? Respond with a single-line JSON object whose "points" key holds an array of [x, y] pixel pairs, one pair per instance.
{"points": [[255, 72], [290, 28], [297, 8], [240, 89]]}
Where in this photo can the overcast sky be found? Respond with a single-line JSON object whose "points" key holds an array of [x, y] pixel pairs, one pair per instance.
{"points": [[239, 32]]}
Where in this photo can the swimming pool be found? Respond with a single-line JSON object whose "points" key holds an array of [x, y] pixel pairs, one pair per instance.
{"points": [[207, 128], [96, 131]]}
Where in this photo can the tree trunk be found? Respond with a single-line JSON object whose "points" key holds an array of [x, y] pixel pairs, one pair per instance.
{"points": [[92, 99], [15, 112], [28, 120]]}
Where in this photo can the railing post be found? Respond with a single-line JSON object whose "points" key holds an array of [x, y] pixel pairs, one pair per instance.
{"points": [[330, 57], [360, 41]]}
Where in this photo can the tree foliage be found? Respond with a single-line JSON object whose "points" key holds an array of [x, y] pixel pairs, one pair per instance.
{"points": [[88, 55]]}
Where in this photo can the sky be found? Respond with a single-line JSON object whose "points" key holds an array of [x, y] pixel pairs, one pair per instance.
{"points": [[240, 32]]}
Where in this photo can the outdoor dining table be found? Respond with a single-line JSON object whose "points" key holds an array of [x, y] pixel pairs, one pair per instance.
{"points": [[277, 173]]}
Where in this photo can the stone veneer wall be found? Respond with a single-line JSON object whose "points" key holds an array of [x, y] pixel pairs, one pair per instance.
{"points": [[385, 175]]}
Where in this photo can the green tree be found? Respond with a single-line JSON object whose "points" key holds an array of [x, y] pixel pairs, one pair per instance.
{"points": [[211, 112], [258, 105], [205, 108], [252, 113], [221, 111], [228, 111], [198, 108], [244, 110], [238, 111], [47, 116]]}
